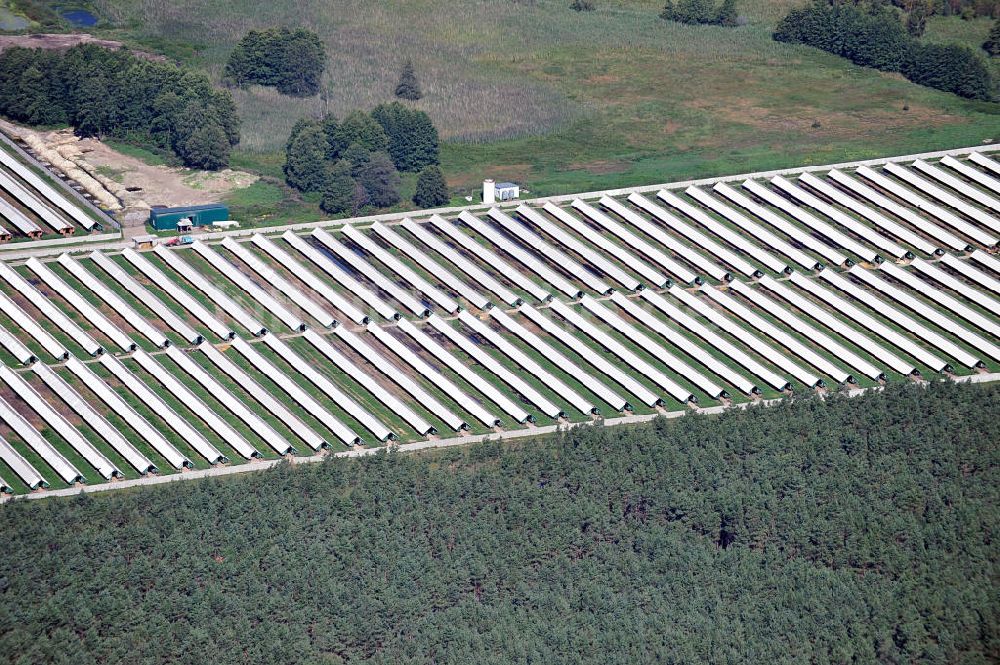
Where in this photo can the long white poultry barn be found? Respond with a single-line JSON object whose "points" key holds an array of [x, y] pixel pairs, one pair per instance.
{"points": [[489, 319]]}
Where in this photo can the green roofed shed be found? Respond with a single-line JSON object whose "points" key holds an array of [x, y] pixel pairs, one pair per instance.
{"points": [[166, 219]]}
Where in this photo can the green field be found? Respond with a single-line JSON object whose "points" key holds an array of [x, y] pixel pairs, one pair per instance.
{"points": [[564, 101]]}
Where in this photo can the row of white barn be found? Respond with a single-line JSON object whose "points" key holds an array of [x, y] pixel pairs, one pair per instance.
{"points": [[162, 360], [31, 207]]}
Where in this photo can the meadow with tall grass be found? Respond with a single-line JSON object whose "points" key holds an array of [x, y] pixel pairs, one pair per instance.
{"points": [[560, 100]]}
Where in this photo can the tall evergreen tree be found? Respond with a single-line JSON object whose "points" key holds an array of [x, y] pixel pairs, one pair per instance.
{"points": [[916, 20], [359, 127], [727, 15], [432, 190], [408, 86], [305, 159], [206, 147], [413, 139], [992, 43], [380, 180], [340, 191]]}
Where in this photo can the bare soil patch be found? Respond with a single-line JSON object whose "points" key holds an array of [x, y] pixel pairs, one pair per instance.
{"points": [[65, 41]]}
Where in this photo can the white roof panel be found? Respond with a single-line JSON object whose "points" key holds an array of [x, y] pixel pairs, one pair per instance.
{"points": [[905, 235], [230, 401], [53, 313], [411, 387], [114, 301], [663, 260], [695, 236], [63, 468], [443, 301], [158, 277], [424, 369], [271, 276], [581, 249], [298, 395], [738, 241], [557, 359], [780, 312], [123, 410], [329, 265], [611, 370], [846, 221], [520, 254], [745, 337], [921, 224], [21, 466], [439, 272], [456, 259], [264, 398], [836, 238], [58, 423], [487, 361], [231, 272], [490, 258], [95, 420], [46, 190], [631, 359], [919, 202], [160, 407], [203, 283], [929, 313], [864, 320], [30, 326], [689, 323], [780, 223], [321, 381], [189, 399], [625, 256], [528, 364], [454, 364], [850, 333]]}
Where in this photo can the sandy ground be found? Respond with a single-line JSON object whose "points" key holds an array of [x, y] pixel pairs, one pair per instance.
{"points": [[161, 185], [135, 184], [64, 41]]}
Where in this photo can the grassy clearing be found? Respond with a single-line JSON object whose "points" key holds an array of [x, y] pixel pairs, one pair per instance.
{"points": [[565, 101]]}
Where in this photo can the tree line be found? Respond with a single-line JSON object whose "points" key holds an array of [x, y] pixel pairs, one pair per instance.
{"points": [[355, 162], [292, 61], [873, 35], [114, 93], [841, 531]]}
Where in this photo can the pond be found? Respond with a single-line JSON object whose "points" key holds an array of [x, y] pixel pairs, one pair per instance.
{"points": [[80, 18]]}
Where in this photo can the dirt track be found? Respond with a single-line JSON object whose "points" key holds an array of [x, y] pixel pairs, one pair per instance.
{"points": [[65, 41]]}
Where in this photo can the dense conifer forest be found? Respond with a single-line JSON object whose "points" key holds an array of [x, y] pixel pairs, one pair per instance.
{"points": [[852, 530]]}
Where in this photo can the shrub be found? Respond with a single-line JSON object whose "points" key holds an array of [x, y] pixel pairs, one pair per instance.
{"points": [[952, 68], [701, 12], [582, 6]]}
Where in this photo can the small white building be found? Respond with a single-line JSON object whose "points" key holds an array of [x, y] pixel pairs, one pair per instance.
{"points": [[499, 191]]}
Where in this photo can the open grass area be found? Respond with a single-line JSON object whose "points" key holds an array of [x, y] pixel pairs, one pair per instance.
{"points": [[565, 101]]}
